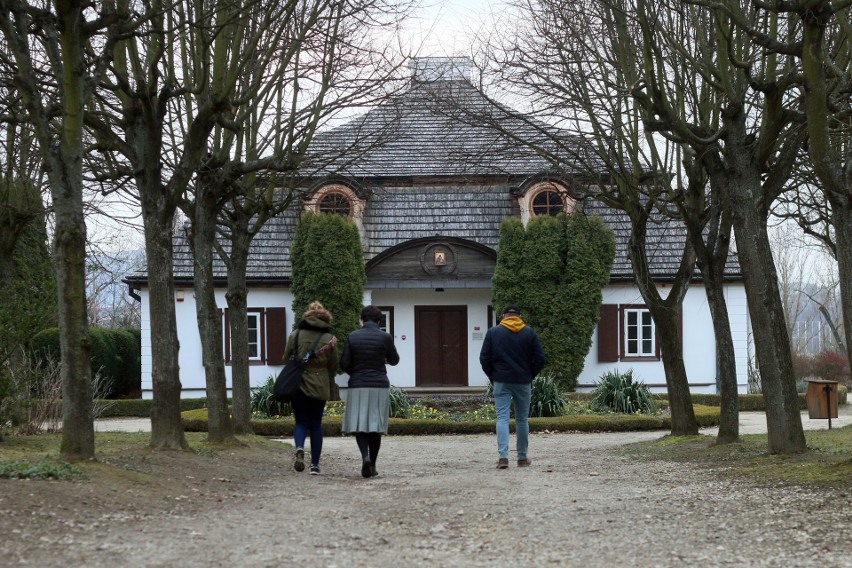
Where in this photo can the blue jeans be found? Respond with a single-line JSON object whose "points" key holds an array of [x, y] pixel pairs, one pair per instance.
{"points": [[308, 412], [504, 394]]}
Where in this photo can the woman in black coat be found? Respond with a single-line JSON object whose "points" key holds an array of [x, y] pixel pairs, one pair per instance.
{"points": [[365, 355]]}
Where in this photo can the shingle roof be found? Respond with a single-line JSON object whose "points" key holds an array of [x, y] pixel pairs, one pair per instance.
{"points": [[429, 169], [443, 128]]}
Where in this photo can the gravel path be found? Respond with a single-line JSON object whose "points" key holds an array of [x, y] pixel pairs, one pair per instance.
{"points": [[439, 501]]}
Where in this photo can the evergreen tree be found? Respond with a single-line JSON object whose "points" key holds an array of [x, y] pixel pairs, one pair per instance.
{"points": [[555, 270], [27, 305], [590, 252], [328, 266], [506, 287]]}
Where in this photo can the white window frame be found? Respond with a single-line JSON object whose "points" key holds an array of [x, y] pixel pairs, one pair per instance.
{"points": [[645, 342], [255, 316], [387, 312]]}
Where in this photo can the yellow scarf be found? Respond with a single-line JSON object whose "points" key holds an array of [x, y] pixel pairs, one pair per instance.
{"points": [[513, 323]]}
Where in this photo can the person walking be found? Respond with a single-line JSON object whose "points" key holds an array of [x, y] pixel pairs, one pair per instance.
{"points": [[312, 333], [511, 357], [365, 354]]}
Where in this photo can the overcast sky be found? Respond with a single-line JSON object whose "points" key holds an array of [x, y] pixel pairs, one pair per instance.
{"points": [[447, 27]]}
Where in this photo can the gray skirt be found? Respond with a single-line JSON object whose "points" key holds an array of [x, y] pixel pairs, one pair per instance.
{"points": [[366, 410]]}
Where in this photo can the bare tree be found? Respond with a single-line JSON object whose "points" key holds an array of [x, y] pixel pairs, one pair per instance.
{"points": [[148, 81], [343, 62], [577, 63], [822, 45], [748, 145], [57, 53], [298, 66]]}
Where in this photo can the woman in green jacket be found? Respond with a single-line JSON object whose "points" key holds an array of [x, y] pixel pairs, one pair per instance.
{"points": [[317, 380]]}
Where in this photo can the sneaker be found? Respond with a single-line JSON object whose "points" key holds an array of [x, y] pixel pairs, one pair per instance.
{"points": [[373, 472], [526, 462], [314, 469], [366, 468], [299, 464], [503, 463]]}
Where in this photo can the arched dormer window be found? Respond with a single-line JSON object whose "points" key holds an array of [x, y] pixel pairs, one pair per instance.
{"points": [[338, 199], [336, 203], [547, 202], [545, 198]]}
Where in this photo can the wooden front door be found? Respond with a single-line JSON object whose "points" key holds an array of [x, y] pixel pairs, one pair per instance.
{"points": [[440, 349]]}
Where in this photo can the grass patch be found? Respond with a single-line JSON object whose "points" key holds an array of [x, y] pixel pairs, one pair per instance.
{"points": [[121, 455], [827, 461], [39, 470]]}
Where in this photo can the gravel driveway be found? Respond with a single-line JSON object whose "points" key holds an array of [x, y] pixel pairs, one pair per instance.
{"points": [[440, 502]]}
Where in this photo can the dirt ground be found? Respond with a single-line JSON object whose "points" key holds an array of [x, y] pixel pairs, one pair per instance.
{"points": [[438, 501]]}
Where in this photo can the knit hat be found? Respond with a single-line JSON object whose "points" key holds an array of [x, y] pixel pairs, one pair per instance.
{"points": [[512, 310]]}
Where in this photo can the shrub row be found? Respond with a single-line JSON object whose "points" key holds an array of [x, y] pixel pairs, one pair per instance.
{"points": [[196, 421], [142, 408], [748, 402], [116, 355]]}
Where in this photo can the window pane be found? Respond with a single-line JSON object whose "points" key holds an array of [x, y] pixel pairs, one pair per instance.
{"points": [[547, 203], [335, 203], [254, 335], [639, 333]]}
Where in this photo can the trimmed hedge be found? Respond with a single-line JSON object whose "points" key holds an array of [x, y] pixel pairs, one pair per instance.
{"points": [[748, 402], [196, 421], [142, 408], [115, 353]]}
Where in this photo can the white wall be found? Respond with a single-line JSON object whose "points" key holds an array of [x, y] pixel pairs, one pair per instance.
{"points": [[699, 352], [698, 340], [191, 370]]}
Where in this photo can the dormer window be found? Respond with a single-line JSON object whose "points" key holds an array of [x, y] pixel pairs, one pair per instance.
{"points": [[335, 203], [547, 202], [338, 198], [545, 198]]}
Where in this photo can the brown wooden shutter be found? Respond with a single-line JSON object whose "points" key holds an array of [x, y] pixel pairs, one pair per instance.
{"points": [[608, 334], [226, 329], [276, 335]]}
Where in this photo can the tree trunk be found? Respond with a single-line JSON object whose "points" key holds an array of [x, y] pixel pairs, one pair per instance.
{"points": [[166, 427], [665, 313], [841, 214], [827, 155], [237, 297], [78, 432], [772, 345], [220, 429], [677, 386], [711, 257], [729, 408]]}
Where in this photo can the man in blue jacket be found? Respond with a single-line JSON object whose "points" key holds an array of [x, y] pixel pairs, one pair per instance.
{"points": [[511, 357]]}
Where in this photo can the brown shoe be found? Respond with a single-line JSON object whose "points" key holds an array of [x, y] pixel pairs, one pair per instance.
{"points": [[526, 462], [503, 463]]}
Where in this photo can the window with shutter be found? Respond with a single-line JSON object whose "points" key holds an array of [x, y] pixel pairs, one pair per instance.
{"points": [[266, 327], [627, 332]]}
